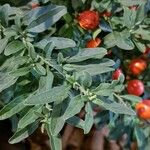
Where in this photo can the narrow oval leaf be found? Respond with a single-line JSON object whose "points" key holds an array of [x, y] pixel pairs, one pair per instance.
{"points": [[40, 69], [20, 72], [92, 69], [76, 122], [131, 98], [140, 137], [58, 93], [29, 117], [13, 107], [131, 3], [115, 107], [88, 53], [23, 133], [56, 121], [13, 47], [123, 41], [42, 18], [89, 120], [56, 125], [3, 43], [58, 43], [7, 81], [46, 82], [75, 105]]}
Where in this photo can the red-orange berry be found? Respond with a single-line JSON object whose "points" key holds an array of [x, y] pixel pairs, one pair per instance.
{"points": [[137, 66], [135, 87], [93, 43], [88, 20], [143, 109], [116, 74]]}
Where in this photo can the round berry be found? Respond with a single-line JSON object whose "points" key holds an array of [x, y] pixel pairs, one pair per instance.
{"points": [[116, 74], [143, 109], [88, 20], [137, 66], [135, 87], [93, 43]]}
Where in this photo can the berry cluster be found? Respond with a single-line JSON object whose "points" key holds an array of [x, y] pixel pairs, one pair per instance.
{"points": [[89, 20]]}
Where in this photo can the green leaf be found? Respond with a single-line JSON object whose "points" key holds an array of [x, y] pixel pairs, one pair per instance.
{"points": [[55, 141], [132, 18], [105, 26], [117, 108], [58, 93], [85, 79], [48, 49], [13, 63], [29, 117], [140, 137], [131, 98], [13, 47], [109, 40], [4, 14], [9, 32], [56, 66], [13, 107], [31, 50], [92, 69], [129, 17], [46, 82], [101, 5], [118, 131], [56, 121], [20, 72], [88, 53], [23, 133], [106, 89], [144, 33], [76, 122], [140, 46], [3, 43], [131, 3], [6, 81], [123, 41], [75, 105], [42, 18], [40, 69], [88, 118], [120, 39], [140, 14], [96, 33], [58, 42]]}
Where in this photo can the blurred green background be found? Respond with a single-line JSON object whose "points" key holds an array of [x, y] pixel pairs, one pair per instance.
{"points": [[14, 2]]}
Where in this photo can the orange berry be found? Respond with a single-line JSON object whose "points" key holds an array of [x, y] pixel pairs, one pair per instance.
{"points": [[137, 66], [93, 43], [88, 20], [143, 109]]}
